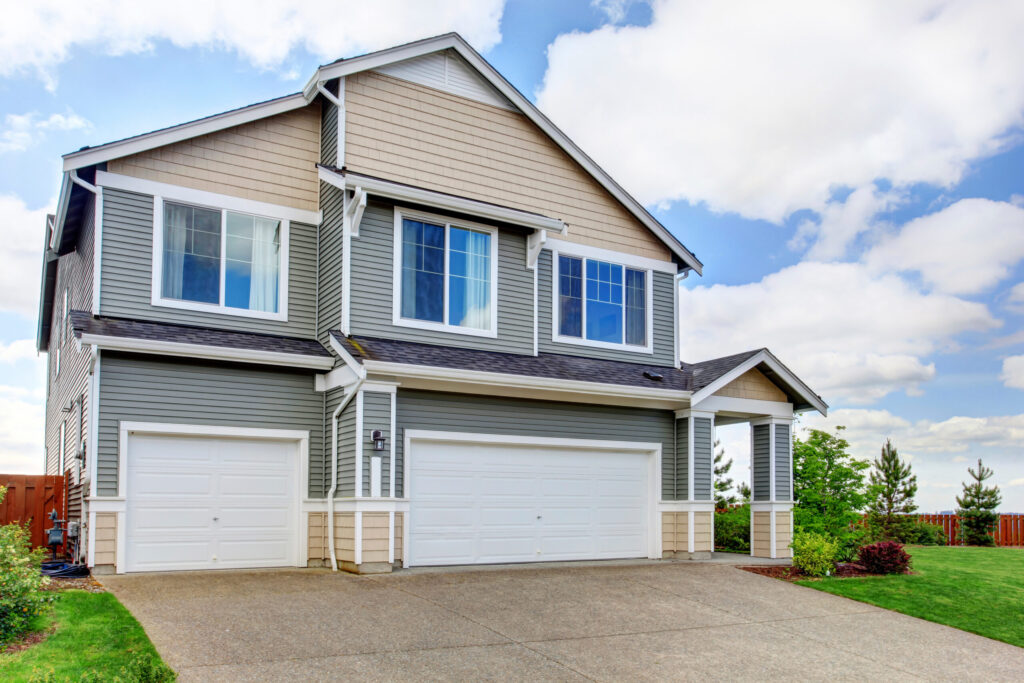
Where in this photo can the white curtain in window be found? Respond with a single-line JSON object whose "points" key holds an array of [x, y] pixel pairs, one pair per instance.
{"points": [[478, 280], [266, 260], [176, 223]]}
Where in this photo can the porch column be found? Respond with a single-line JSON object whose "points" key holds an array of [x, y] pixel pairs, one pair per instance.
{"points": [[692, 517], [771, 486]]}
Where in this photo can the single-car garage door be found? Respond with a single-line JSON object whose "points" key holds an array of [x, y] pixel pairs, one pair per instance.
{"points": [[480, 503], [210, 503]]}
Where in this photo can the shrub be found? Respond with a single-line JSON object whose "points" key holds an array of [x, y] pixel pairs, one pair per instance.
{"points": [[887, 557], [732, 529], [927, 534], [22, 597], [814, 554]]}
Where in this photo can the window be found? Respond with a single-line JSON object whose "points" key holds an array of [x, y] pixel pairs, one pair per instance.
{"points": [[601, 302], [61, 446], [445, 275], [224, 261]]}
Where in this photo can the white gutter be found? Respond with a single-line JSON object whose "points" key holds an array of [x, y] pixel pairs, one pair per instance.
{"points": [[334, 468], [81, 183]]}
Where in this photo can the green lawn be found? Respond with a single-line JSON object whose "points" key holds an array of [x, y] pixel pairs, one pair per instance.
{"points": [[95, 634], [980, 590]]}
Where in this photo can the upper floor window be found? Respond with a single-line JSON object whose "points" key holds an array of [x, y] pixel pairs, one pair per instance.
{"points": [[602, 303], [445, 275], [221, 261]]}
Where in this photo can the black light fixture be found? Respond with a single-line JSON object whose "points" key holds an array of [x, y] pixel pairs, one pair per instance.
{"points": [[379, 442]]}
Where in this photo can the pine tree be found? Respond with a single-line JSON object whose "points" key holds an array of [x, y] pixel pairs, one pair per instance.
{"points": [[722, 484], [892, 489], [744, 490], [977, 508]]}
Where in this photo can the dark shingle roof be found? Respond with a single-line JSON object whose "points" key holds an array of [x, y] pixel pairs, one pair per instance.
{"points": [[83, 322], [706, 372], [550, 365]]}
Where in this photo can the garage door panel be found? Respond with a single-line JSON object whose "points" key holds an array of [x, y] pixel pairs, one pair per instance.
{"points": [[210, 502], [486, 503]]}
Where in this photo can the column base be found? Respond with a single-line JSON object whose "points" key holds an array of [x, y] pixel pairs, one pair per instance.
{"points": [[771, 530]]}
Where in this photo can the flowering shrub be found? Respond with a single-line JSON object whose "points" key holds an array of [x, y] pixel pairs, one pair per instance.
{"points": [[21, 585], [887, 557], [814, 554]]}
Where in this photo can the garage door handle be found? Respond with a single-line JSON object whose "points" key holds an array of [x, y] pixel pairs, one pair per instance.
{"points": [[216, 518], [538, 516]]}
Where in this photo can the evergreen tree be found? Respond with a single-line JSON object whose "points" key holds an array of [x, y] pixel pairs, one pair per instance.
{"points": [[722, 484], [977, 508], [892, 489], [744, 490]]}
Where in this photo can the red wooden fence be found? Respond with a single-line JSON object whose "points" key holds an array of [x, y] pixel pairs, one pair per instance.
{"points": [[30, 497], [1009, 530]]}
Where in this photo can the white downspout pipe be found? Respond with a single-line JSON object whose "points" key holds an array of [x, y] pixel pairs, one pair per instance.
{"points": [[334, 468], [82, 183]]}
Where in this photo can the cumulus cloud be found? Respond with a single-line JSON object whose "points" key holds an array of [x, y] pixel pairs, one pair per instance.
{"points": [[842, 222], [966, 248], [852, 334], [1017, 482], [1013, 372], [21, 252], [766, 108], [21, 434], [1015, 299], [37, 36], [21, 131]]}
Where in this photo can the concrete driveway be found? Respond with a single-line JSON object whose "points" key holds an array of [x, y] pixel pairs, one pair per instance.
{"points": [[602, 622]]}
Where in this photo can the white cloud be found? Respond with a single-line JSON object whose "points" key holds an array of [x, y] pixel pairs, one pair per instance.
{"points": [[853, 335], [615, 10], [21, 435], [841, 222], [1017, 482], [959, 458], [1013, 372], [37, 36], [1015, 299], [21, 131], [22, 349], [966, 248], [766, 108], [21, 252]]}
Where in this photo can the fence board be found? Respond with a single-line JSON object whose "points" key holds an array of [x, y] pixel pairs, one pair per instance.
{"points": [[30, 498], [1009, 531]]}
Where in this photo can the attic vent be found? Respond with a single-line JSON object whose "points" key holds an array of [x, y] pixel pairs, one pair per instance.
{"points": [[654, 376]]}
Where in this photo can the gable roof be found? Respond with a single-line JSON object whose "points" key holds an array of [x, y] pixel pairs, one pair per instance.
{"points": [[88, 156]]}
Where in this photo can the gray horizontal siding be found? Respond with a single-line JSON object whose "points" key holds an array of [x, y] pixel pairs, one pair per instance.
{"points": [[496, 415], [346, 444], [127, 267], [682, 469], [148, 389], [761, 463], [664, 317], [703, 458], [332, 202], [376, 415], [329, 132], [372, 295], [782, 475]]}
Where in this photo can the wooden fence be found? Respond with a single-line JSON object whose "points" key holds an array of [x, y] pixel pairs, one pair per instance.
{"points": [[1009, 530], [30, 498]]}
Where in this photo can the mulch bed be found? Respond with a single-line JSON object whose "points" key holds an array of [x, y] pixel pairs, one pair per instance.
{"points": [[844, 570], [28, 640], [87, 583]]}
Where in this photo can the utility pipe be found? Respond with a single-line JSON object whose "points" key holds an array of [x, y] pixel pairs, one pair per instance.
{"points": [[334, 468]]}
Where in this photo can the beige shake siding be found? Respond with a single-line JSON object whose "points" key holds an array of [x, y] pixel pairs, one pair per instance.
{"points": [[783, 537], [411, 133], [761, 531], [270, 160], [375, 536], [752, 384], [399, 521], [106, 539], [702, 540]]}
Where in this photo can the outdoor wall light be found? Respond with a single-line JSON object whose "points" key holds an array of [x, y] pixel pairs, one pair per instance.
{"points": [[379, 442]]}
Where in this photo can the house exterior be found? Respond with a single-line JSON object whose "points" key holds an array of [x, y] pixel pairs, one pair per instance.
{"points": [[396, 319]]}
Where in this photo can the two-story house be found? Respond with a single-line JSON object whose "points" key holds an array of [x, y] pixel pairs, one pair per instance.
{"points": [[395, 319]]}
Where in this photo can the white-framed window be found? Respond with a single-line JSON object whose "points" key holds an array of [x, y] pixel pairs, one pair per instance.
{"points": [[599, 302], [61, 446], [219, 260], [445, 274]]}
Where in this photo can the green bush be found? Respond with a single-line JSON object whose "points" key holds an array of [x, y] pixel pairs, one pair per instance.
{"points": [[732, 529], [814, 554], [927, 534], [22, 597]]}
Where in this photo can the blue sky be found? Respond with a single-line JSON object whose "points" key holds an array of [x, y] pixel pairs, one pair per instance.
{"points": [[852, 178]]}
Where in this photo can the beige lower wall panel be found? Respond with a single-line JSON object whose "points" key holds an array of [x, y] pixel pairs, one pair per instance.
{"points": [[782, 534], [345, 536], [702, 538], [399, 521], [105, 534], [375, 536]]}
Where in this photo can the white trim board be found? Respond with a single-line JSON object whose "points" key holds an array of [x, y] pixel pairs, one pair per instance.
{"points": [[127, 428], [224, 353], [439, 200], [651, 449]]}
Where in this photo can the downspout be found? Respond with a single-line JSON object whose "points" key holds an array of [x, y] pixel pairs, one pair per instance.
{"points": [[334, 468], [81, 183]]}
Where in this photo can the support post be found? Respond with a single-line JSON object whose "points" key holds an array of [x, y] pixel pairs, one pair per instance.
{"points": [[771, 507]]}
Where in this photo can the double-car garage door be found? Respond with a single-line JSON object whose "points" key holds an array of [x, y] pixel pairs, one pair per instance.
{"points": [[480, 503]]}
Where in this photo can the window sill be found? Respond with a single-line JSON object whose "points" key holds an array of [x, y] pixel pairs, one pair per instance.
{"points": [[441, 327], [216, 309], [578, 341]]}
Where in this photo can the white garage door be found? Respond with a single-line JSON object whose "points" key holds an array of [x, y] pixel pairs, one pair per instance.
{"points": [[475, 503], [210, 503]]}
